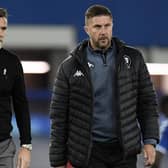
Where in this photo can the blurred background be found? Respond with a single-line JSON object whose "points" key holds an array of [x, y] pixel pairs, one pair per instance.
{"points": [[42, 33]]}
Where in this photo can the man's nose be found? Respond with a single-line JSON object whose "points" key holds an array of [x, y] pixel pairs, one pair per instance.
{"points": [[103, 30]]}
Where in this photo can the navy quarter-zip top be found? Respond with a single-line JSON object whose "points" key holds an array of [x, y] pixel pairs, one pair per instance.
{"points": [[102, 66]]}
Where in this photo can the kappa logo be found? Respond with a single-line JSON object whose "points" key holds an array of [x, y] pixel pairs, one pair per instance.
{"points": [[127, 61], [78, 73]]}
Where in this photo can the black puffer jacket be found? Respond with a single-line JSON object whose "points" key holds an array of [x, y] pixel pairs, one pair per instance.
{"points": [[72, 106]]}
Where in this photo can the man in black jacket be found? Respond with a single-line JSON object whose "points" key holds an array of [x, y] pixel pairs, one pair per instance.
{"points": [[12, 88], [103, 108]]}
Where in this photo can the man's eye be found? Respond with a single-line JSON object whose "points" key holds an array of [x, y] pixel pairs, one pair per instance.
{"points": [[97, 27], [3, 28]]}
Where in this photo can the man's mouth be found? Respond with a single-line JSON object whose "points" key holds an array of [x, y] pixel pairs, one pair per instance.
{"points": [[103, 38]]}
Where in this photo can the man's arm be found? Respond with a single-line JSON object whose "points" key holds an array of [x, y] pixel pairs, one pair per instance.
{"points": [[20, 105], [147, 113], [147, 105], [59, 120]]}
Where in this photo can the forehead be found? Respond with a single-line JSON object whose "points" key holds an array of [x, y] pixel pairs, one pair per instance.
{"points": [[3, 21], [103, 19]]}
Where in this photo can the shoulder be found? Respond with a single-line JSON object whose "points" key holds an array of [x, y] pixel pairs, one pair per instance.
{"points": [[134, 52], [135, 56], [66, 67], [68, 62], [75, 58], [130, 51], [10, 56]]}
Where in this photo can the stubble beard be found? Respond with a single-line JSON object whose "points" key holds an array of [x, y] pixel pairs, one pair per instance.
{"points": [[103, 43]]}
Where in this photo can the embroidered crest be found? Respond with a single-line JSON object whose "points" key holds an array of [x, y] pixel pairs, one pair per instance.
{"points": [[4, 71], [127, 61]]}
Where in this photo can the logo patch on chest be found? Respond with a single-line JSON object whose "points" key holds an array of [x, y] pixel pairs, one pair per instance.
{"points": [[90, 65], [127, 61]]}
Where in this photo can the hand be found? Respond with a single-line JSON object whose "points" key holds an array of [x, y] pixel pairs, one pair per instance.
{"points": [[158, 159], [149, 155], [24, 157]]}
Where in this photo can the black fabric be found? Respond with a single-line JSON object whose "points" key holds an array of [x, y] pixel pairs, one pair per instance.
{"points": [[12, 90], [110, 156], [72, 106]]}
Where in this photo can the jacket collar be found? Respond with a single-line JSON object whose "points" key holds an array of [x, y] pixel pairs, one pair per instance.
{"points": [[80, 51]]}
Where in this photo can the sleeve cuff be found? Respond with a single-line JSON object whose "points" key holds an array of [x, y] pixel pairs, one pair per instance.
{"points": [[150, 141]]}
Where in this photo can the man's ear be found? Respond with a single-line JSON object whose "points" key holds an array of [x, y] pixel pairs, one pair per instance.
{"points": [[86, 29]]}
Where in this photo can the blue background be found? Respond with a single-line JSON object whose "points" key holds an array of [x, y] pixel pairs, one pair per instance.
{"points": [[138, 22]]}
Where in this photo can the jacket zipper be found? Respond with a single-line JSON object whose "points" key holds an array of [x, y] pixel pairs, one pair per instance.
{"points": [[104, 57]]}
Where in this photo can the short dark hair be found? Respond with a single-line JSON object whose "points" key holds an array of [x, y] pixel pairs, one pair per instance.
{"points": [[3, 13], [97, 10]]}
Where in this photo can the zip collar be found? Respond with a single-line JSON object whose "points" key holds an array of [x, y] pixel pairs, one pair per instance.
{"points": [[80, 53]]}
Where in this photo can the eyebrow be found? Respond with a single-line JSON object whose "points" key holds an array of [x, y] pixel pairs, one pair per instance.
{"points": [[99, 25]]}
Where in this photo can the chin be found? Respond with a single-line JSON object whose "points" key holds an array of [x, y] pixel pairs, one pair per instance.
{"points": [[103, 46]]}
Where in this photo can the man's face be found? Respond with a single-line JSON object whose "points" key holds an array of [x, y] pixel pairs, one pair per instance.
{"points": [[99, 29], [3, 27]]}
